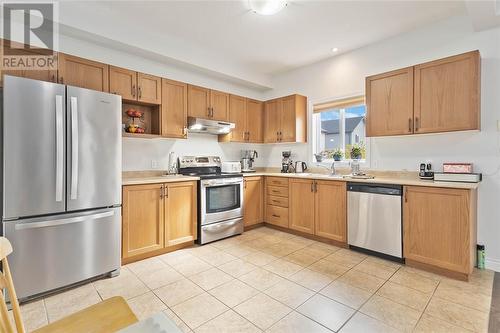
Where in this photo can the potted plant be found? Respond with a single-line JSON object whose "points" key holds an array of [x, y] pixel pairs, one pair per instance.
{"points": [[337, 154], [357, 151]]}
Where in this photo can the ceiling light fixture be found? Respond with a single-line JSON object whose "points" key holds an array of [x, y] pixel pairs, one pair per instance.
{"points": [[335, 49], [267, 7]]}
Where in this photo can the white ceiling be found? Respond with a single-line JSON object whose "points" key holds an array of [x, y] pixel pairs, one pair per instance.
{"points": [[225, 36]]}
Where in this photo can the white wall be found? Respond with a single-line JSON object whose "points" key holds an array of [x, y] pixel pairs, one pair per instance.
{"points": [[344, 75]]}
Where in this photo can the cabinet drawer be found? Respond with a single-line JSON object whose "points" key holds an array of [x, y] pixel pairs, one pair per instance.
{"points": [[276, 190], [277, 181], [277, 215], [277, 201]]}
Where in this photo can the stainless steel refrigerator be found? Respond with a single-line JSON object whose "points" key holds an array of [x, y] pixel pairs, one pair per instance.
{"points": [[61, 183]]}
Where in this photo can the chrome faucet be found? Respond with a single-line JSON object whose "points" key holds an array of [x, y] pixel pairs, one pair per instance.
{"points": [[333, 172]]}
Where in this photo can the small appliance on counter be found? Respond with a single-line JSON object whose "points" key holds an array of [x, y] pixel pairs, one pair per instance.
{"points": [[426, 172], [300, 167], [247, 159], [458, 172], [231, 167], [286, 162]]}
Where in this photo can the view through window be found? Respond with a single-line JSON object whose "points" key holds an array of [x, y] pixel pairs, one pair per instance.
{"points": [[339, 130]]}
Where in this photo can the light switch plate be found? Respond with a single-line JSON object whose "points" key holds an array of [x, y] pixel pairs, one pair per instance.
{"points": [[154, 164]]}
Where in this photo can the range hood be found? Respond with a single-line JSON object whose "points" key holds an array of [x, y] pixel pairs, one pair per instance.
{"points": [[199, 125]]}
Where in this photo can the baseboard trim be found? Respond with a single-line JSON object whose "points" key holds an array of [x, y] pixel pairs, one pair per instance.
{"points": [[493, 264]]}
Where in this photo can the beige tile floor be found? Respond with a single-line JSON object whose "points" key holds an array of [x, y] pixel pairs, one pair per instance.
{"points": [[268, 280]]}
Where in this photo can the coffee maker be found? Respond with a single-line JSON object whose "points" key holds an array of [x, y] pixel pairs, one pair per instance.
{"points": [[286, 162], [247, 159]]}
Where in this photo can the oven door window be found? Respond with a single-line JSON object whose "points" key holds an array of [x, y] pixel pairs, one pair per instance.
{"points": [[223, 198]]}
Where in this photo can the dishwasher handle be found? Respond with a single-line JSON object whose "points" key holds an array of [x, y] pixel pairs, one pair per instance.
{"points": [[387, 189]]}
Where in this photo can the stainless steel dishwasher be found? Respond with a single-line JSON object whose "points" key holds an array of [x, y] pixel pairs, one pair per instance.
{"points": [[374, 219]]}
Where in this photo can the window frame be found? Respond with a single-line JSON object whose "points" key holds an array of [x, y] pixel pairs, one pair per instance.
{"points": [[316, 132]]}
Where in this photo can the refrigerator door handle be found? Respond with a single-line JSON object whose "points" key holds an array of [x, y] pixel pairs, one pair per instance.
{"points": [[69, 220], [59, 147], [74, 148]]}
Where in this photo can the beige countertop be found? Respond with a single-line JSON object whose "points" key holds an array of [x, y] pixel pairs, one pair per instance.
{"points": [[381, 177], [152, 177], [397, 178]]}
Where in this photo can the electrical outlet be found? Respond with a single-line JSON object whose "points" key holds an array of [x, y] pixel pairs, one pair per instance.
{"points": [[154, 164]]}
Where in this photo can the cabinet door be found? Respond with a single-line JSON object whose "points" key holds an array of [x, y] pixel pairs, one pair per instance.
{"points": [[174, 109], [198, 102], [143, 219], [180, 213], [389, 103], [272, 117], [330, 208], [49, 74], [148, 88], [237, 115], [78, 72], [302, 205], [254, 115], [253, 200], [447, 94], [219, 102], [123, 82], [287, 119], [437, 228]]}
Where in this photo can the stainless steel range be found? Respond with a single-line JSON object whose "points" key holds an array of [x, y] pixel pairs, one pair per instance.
{"points": [[220, 198]]}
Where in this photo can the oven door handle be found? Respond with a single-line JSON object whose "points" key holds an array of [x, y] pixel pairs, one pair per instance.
{"points": [[222, 184]]}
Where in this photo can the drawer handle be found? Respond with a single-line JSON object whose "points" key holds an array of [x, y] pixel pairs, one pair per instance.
{"points": [[274, 191], [274, 215], [276, 201]]}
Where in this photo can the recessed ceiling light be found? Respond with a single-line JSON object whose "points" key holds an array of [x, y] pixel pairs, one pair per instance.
{"points": [[335, 49], [267, 7]]}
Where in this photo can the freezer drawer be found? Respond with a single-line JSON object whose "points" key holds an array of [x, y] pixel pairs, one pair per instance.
{"points": [[53, 252]]}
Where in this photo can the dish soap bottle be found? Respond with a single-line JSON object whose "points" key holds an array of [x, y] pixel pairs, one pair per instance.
{"points": [[480, 256]]}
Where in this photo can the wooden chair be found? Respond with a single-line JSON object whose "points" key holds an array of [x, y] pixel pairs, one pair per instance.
{"points": [[110, 315]]}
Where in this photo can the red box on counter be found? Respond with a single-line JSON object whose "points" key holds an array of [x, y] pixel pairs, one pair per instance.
{"points": [[457, 167]]}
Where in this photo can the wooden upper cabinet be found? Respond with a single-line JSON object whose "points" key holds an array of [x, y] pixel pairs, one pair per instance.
{"points": [[447, 94], [148, 88], [219, 102], [254, 115], [440, 227], [123, 82], [437, 96], [285, 119], [180, 213], [330, 206], [49, 74], [238, 116], [302, 205], [389, 103], [135, 86], [253, 196], [272, 119], [142, 219], [174, 109], [79, 72], [198, 102]]}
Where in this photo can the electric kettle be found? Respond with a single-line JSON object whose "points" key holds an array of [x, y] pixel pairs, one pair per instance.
{"points": [[300, 166]]}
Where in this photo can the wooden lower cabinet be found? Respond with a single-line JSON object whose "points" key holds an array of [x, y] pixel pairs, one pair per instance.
{"points": [[302, 205], [253, 190], [157, 217], [319, 208], [276, 192], [440, 228], [142, 219], [330, 210], [180, 213]]}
